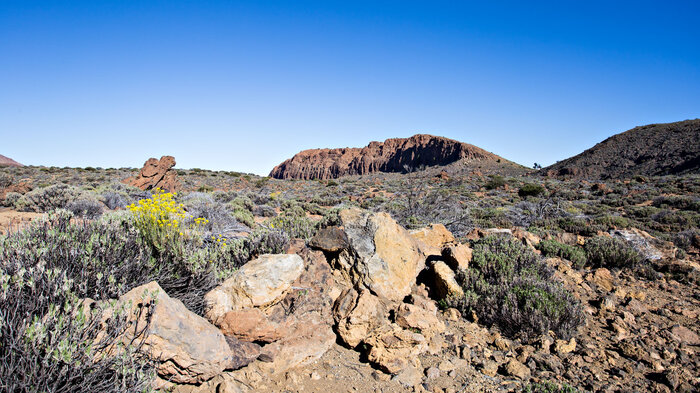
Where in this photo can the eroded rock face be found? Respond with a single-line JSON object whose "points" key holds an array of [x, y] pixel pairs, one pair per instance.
{"points": [[382, 255], [357, 315], [280, 301], [258, 283], [156, 174], [393, 347], [188, 347], [392, 155]]}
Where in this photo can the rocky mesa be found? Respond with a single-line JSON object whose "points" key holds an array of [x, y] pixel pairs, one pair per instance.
{"points": [[392, 155]]}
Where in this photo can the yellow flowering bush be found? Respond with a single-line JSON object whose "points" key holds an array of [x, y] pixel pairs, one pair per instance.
{"points": [[159, 217]]}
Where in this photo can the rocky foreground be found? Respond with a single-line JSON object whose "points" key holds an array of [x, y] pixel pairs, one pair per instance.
{"points": [[355, 309]]}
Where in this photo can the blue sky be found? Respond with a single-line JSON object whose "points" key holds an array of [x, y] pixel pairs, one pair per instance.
{"points": [[244, 85]]}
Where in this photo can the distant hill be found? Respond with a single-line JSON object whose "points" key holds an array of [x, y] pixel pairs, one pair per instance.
{"points": [[651, 150], [393, 155], [6, 161]]}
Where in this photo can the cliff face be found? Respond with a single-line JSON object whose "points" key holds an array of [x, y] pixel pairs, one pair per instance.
{"points": [[392, 155], [651, 150]]}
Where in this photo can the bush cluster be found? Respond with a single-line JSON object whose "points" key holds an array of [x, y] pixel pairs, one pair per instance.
{"points": [[549, 387], [604, 251], [49, 198], [508, 285]]}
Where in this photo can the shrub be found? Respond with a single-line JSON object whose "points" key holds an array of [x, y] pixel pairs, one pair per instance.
{"points": [[530, 189], [294, 226], [576, 255], [114, 200], [49, 198], [495, 182], [508, 285], [217, 217], [84, 207], [244, 217], [11, 198], [50, 341], [5, 180], [611, 252], [158, 218], [579, 226]]}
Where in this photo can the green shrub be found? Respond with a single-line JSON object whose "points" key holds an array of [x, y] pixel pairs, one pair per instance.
{"points": [[604, 251], [49, 198], [579, 226], [612, 222], [294, 226], [576, 255], [11, 199], [244, 217], [508, 285], [496, 181], [530, 190]]}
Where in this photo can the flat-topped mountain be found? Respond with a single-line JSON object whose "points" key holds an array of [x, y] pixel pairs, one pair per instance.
{"points": [[651, 150], [7, 161], [392, 155]]}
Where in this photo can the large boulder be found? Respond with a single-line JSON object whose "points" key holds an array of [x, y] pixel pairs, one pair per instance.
{"points": [[358, 314], [260, 282], [432, 238], [187, 347], [457, 256], [282, 301], [382, 256], [413, 317], [331, 239], [156, 174]]}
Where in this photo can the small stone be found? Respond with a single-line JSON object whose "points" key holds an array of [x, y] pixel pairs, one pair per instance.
{"points": [[380, 376], [410, 376], [490, 368], [603, 279], [517, 369], [502, 344], [452, 314], [432, 372], [446, 366], [685, 335], [563, 347], [315, 376]]}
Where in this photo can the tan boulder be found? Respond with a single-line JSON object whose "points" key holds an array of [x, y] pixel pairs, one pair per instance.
{"points": [[260, 282], [187, 347], [432, 238], [357, 315], [392, 348], [445, 282], [382, 257], [603, 279], [412, 317], [457, 256], [251, 324]]}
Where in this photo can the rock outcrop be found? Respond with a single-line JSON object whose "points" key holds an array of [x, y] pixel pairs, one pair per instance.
{"points": [[382, 256], [187, 347], [156, 174], [393, 155], [651, 150], [7, 161]]}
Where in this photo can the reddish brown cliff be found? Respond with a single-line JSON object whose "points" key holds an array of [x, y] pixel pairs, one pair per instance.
{"points": [[392, 155]]}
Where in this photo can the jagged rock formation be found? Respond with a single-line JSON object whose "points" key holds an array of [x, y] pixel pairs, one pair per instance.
{"points": [[156, 174], [7, 161], [392, 155], [651, 150]]}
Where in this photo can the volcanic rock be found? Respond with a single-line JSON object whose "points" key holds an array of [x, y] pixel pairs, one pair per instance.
{"points": [[393, 155], [156, 174], [189, 349], [651, 150], [7, 161], [382, 256]]}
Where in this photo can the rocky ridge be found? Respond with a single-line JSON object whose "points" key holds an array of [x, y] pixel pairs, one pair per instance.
{"points": [[7, 161], [650, 150], [393, 155]]}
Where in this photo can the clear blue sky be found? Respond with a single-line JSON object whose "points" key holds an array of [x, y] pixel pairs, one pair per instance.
{"points": [[244, 85]]}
